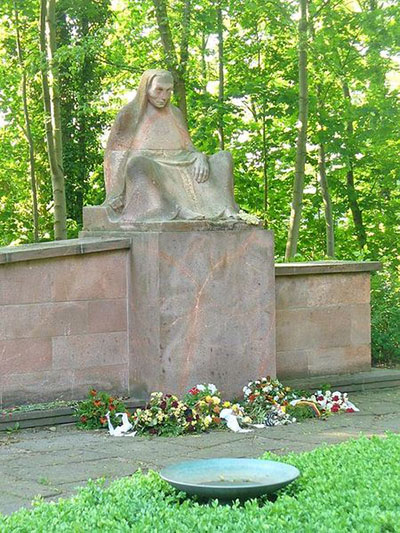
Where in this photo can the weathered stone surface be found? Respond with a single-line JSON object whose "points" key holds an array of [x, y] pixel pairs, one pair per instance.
{"points": [[89, 277], [34, 387], [323, 324], [112, 378], [42, 320], [202, 308], [322, 290], [92, 350], [107, 315], [18, 356]]}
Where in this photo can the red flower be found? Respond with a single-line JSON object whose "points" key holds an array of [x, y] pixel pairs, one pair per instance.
{"points": [[174, 404], [335, 408], [93, 392], [350, 410], [111, 407], [194, 391], [252, 397], [83, 419], [335, 398], [320, 398]]}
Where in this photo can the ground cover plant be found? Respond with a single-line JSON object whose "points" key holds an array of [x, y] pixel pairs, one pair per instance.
{"points": [[353, 486]]}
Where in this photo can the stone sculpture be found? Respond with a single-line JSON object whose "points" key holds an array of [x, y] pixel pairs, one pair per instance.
{"points": [[152, 170]]}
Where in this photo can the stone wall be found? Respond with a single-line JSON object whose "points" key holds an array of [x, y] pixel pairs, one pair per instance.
{"points": [[323, 318], [70, 315], [63, 322]]}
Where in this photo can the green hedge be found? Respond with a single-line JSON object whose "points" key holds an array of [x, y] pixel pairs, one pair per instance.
{"points": [[354, 486]]}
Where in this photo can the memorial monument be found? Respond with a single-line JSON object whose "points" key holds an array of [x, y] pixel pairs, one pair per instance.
{"points": [[202, 301]]}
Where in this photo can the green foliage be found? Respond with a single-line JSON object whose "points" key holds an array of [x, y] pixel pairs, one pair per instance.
{"points": [[385, 334], [91, 413], [348, 487]]}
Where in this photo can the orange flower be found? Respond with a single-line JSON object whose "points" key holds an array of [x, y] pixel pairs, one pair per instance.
{"points": [[111, 407], [93, 392], [97, 403], [103, 420], [216, 420], [252, 397], [216, 410], [83, 419]]}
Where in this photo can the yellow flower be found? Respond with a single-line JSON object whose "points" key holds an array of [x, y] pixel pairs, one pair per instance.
{"points": [[216, 400], [207, 420], [226, 405], [208, 399]]}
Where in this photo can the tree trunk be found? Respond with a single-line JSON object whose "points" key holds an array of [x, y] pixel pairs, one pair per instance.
{"points": [[221, 80], [27, 129], [326, 198], [52, 114], [265, 161], [204, 76], [177, 70], [351, 190], [301, 147]]}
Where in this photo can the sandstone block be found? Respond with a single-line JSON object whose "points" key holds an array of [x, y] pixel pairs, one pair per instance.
{"points": [[20, 356], [107, 315], [91, 350], [319, 290], [42, 320], [90, 277]]}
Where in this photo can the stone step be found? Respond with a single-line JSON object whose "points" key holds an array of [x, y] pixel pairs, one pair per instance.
{"points": [[14, 420], [376, 378]]}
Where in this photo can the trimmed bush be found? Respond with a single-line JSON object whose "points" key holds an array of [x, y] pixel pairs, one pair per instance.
{"points": [[354, 486]]}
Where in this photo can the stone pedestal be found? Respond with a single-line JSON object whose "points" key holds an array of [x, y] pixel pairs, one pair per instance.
{"points": [[201, 307]]}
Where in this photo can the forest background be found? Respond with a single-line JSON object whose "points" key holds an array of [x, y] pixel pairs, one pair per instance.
{"points": [[304, 93]]}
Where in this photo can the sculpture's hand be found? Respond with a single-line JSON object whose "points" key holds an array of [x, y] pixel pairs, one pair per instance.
{"points": [[201, 168]]}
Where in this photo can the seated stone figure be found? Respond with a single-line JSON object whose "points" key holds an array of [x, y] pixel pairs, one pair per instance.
{"points": [[152, 170]]}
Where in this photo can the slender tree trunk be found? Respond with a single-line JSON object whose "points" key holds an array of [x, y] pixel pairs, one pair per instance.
{"points": [[221, 80], [265, 160], [351, 190], [301, 148], [326, 198], [52, 114], [27, 129], [204, 76], [177, 70], [323, 180]]}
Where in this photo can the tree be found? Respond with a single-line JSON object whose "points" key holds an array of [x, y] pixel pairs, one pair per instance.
{"points": [[51, 99], [301, 146]]}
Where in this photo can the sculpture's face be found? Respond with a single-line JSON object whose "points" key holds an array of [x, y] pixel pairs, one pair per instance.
{"points": [[159, 92]]}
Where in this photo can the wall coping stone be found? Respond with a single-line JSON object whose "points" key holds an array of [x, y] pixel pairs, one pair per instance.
{"points": [[325, 267], [44, 250]]}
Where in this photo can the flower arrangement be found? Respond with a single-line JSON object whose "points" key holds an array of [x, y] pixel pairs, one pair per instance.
{"points": [[266, 395], [91, 413], [266, 402], [333, 402], [165, 415]]}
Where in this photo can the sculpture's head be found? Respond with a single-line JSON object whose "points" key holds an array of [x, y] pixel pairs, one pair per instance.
{"points": [[159, 89]]}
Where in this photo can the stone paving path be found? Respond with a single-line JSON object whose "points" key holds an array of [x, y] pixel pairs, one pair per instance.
{"points": [[53, 462]]}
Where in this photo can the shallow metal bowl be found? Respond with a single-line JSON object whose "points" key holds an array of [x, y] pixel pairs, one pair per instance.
{"points": [[228, 479]]}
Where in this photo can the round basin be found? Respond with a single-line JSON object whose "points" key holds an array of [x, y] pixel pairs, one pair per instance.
{"points": [[228, 479]]}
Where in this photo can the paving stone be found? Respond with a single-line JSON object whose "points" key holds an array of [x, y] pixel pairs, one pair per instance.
{"points": [[54, 464]]}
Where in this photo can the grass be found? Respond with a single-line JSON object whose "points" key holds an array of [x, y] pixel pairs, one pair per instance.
{"points": [[353, 486]]}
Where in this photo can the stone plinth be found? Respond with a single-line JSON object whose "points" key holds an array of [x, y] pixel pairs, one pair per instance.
{"points": [[202, 309]]}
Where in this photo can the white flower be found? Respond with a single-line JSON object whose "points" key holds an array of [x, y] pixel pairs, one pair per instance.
{"points": [[212, 388], [200, 388], [246, 391]]}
